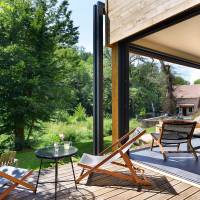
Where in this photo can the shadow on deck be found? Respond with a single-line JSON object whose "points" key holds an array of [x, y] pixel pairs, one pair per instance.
{"points": [[105, 187]]}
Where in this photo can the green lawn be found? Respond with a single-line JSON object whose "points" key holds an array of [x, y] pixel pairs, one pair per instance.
{"points": [[27, 158]]}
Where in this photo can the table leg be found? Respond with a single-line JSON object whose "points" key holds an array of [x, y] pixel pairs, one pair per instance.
{"points": [[38, 176], [73, 172], [56, 177]]}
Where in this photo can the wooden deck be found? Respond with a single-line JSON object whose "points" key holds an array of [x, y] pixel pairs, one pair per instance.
{"points": [[106, 187]]}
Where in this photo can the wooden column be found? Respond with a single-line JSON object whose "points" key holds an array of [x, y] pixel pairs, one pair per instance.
{"points": [[120, 90]]}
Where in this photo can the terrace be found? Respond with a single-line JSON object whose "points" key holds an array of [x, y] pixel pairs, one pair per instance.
{"points": [[166, 30], [107, 187]]}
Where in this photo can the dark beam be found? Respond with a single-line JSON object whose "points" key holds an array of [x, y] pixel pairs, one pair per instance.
{"points": [[162, 56], [123, 89], [98, 11]]}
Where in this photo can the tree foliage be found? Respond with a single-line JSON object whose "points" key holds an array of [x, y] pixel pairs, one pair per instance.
{"points": [[144, 88], [31, 34], [197, 81], [178, 80]]}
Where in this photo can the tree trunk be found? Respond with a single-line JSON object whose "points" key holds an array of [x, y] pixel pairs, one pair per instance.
{"points": [[30, 131], [19, 138], [169, 104]]}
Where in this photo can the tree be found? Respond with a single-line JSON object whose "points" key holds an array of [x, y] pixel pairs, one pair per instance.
{"points": [[178, 80], [197, 81], [30, 34], [107, 81], [169, 101], [144, 87]]}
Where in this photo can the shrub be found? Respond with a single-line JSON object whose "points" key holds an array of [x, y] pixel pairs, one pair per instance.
{"points": [[61, 116], [6, 143], [72, 120], [90, 123], [142, 112], [80, 113], [107, 126]]}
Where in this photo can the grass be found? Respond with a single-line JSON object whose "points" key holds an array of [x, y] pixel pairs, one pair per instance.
{"points": [[79, 132]]}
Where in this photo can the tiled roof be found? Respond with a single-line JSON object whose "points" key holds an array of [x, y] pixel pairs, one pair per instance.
{"points": [[187, 91]]}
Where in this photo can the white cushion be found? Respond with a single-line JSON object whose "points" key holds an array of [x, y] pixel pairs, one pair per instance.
{"points": [[12, 171]]}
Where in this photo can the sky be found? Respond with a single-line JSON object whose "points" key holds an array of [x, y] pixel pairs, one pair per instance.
{"points": [[189, 74], [82, 15]]}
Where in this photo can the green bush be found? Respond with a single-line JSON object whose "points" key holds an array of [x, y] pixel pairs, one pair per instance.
{"points": [[133, 123], [6, 143], [142, 112], [72, 120], [61, 116], [76, 132], [90, 123], [80, 113], [107, 126]]}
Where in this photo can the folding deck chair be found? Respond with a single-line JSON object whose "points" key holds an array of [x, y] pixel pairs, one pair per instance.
{"points": [[8, 158], [11, 177], [93, 163]]}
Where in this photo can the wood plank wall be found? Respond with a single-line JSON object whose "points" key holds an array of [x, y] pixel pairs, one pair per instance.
{"points": [[127, 17]]}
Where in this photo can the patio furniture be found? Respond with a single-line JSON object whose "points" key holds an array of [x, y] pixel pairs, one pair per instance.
{"points": [[96, 164], [51, 153], [11, 177], [174, 132], [8, 158]]}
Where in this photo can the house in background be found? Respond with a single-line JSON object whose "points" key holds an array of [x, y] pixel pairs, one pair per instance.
{"points": [[187, 99]]}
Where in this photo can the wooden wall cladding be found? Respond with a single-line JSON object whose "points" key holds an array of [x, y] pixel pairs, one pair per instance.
{"points": [[127, 17]]}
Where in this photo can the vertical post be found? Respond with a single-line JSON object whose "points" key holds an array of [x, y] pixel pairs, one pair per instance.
{"points": [[123, 103], [120, 90], [98, 11], [115, 95]]}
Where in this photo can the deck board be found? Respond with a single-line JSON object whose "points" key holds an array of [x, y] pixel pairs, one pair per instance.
{"points": [[180, 165], [105, 187]]}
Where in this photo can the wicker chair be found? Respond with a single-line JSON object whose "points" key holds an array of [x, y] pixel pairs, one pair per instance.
{"points": [[175, 132]]}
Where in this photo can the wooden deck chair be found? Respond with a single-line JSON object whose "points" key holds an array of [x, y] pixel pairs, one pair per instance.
{"points": [[11, 177], [96, 164], [174, 132], [8, 158]]}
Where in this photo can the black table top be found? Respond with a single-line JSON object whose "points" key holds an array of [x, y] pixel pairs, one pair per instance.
{"points": [[52, 153]]}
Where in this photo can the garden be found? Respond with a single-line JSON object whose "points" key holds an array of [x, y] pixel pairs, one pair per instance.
{"points": [[78, 130]]}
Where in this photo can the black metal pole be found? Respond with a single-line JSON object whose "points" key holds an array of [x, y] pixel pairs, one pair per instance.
{"points": [[123, 98], [56, 177], [94, 80], [38, 176], [73, 172], [98, 11]]}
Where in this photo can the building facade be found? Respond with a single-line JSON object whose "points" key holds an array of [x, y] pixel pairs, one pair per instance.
{"points": [[187, 99]]}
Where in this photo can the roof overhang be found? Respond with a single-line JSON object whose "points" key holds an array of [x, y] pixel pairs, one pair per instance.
{"points": [[186, 105], [180, 41], [167, 30]]}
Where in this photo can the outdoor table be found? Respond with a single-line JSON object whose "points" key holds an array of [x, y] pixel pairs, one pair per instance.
{"points": [[53, 154]]}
